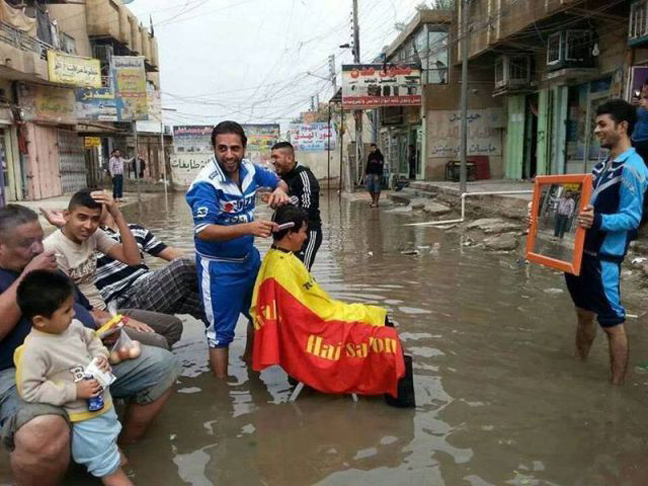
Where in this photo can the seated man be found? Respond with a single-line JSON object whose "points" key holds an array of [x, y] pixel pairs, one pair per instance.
{"points": [[327, 344], [38, 435], [172, 289], [75, 245]]}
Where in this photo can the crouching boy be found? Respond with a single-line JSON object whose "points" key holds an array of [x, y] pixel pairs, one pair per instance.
{"points": [[50, 369]]}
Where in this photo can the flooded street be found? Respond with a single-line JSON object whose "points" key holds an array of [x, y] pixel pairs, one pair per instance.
{"points": [[500, 399]]}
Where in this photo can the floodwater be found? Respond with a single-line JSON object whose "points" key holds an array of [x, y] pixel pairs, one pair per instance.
{"points": [[500, 399]]}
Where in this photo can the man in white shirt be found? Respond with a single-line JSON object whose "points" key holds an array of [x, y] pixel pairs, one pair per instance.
{"points": [[116, 169]]}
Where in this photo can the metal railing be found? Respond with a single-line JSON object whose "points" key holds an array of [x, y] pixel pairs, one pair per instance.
{"points": [[23, 41]]}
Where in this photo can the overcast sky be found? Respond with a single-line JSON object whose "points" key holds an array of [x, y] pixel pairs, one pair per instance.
{"points": [[249, 60]]}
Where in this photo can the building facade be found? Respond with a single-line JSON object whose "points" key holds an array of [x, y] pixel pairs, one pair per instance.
{"points": [[42, 134]]}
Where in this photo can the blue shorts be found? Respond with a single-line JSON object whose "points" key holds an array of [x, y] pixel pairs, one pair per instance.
{"points": [[94, 443], [597, 289], [373, 182], [226, 287]]}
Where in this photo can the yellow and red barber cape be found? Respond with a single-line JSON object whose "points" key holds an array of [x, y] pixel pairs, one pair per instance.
{"points": [[329, 345]]}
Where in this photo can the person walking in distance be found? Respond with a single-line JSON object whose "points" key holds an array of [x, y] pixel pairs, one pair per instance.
{"points": [[304, 193], [116, 169], [374, 174]]}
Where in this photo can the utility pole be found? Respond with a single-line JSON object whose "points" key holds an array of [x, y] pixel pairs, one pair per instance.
{"points": [[357, 113], [465, 46], [137, 181], [331, 61]]}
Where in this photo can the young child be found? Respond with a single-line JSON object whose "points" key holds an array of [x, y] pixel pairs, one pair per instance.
{"points": [[50, 368]]}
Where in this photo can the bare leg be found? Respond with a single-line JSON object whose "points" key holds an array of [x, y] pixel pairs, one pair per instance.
{"points": [[42, 452], [585, 333], [249, 345], [218, 360], [619, 351], [373, 198], [138, 418], [377, 199], [118, 478]]}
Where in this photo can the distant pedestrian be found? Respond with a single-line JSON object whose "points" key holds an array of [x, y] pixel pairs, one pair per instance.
{"points": [[116, 169], [374, 174], [564, 212], [139, 165], [411, 162], [304, 193]]}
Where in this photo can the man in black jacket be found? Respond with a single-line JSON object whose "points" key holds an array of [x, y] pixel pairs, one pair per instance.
{"points": [[304, 193]]}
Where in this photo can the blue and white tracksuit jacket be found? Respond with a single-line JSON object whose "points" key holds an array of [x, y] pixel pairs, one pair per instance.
{"points": [[619, 186], [227, 270]]}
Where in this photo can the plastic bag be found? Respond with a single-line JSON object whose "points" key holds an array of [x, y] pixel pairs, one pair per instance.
{"points": [[124, 348]]}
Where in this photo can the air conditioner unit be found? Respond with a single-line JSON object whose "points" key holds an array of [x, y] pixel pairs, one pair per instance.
{"points": [[513, 71]]}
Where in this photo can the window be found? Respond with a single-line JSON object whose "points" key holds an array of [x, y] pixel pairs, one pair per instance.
{"points": [[578, 45], [554, 51], [638, 20], [435, 58], [512, 71], [500, 80]]}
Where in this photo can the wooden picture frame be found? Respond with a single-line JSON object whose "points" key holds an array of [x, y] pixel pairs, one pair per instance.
{"points": [[552, 212]]}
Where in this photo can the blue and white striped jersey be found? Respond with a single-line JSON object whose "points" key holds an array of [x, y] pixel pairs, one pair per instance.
{"points": [[619, 188], [215, 199]]}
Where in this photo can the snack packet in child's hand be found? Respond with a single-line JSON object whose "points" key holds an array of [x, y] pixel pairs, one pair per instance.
{"points": [[124, 348]]}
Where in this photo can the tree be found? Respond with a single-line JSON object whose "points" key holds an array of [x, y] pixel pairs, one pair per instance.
{"points": [[443, 4]]}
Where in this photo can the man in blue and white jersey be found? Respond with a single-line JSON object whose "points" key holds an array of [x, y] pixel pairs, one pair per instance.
{"points": [[222, 199], [612, 218]]}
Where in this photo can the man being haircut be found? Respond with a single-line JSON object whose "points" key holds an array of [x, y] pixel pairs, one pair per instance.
{"points": [[222, 200], [38, 435], [612, 218], [304, 193]]}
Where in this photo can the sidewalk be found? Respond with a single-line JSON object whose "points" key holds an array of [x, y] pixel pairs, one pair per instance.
{"points": [[61, 202], [507, 205]]}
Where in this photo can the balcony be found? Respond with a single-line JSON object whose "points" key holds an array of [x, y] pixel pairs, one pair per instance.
{"points": [[108, 19], [22, 57]]}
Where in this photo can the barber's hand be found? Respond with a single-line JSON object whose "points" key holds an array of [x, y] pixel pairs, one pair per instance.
{"points": [[265, 196], [53, 217], [586, 217], [278, 198], [105, 198], [138, 326], [261, 228], [43, 261]]}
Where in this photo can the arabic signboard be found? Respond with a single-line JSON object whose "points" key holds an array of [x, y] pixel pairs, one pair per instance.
{"points": [[312, 137], [261, 138], [47, 104], [98, 104], [154, 106], [484, 132], [91, 142], [73, 70], [369, 86], [192, 138], [129, 81], [186, 166]]}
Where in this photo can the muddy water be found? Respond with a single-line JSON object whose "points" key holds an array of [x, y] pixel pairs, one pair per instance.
{"points": [[501, 401]]}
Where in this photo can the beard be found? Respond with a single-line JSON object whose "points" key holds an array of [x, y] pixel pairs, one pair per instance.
{"points": [[229, 167]]}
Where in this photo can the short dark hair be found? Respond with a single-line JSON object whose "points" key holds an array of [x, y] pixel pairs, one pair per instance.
{"points": [[85, 199], [13, 215], [42, 292], [289, 214], [284, 145], [620, 111], [228, 126], [373, 145]]}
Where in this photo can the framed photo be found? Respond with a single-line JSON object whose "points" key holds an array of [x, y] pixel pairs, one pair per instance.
{"points": [[555, 238]]}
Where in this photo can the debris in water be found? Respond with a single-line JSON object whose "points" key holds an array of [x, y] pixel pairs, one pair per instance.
{"points": [[410, 252]]}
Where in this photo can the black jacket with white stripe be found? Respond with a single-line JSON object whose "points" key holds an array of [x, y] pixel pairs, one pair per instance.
{"points": [[304, 193]]}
